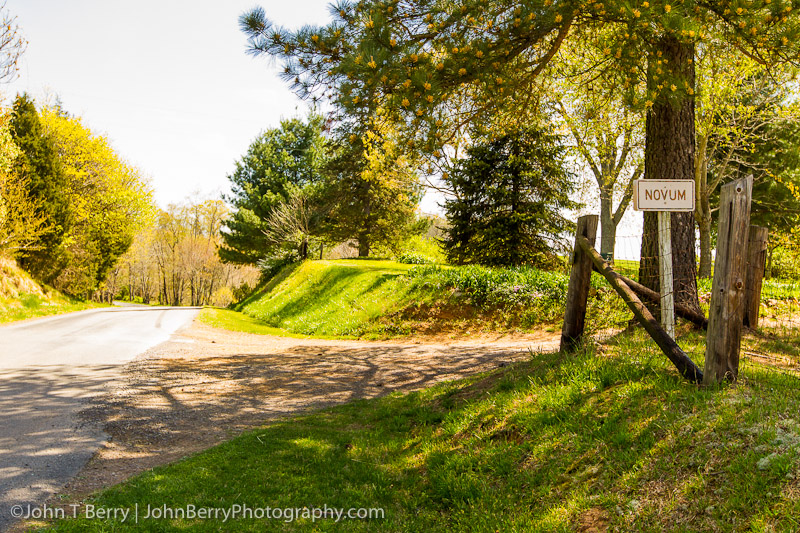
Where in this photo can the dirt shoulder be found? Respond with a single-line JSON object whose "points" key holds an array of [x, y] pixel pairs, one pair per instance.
{"points": [[207, 385]]}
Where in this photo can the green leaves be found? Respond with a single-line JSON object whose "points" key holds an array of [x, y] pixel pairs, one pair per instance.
{"points": [[108, 201], [278, 161], [412, 59], [509, 197]]}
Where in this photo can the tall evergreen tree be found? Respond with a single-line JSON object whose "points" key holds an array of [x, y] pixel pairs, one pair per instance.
{"points": [[38, 163], [510, 193], [278, 161]]}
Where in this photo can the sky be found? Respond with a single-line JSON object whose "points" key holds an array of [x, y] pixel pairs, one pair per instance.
{"points": [[171, 86]]}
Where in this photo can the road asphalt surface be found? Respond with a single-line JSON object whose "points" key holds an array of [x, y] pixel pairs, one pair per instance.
{"points": [[49, 369]]}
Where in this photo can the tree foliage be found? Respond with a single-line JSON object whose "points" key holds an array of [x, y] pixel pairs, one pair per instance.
{"points": [[411, 59], [108, 199], [510, 193], [174, 259], [740, 107], [607, 136], [39, 166], [278, 162], [372, 191], [87, 202], [21, 223]]}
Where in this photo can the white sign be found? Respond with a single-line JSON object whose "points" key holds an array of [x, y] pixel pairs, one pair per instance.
{"points": [[663, 195]]}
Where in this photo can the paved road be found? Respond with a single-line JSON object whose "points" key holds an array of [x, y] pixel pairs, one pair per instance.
{"points": [[49, 368]]}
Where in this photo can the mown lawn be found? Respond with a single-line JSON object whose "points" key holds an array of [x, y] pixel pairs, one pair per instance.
{"points": [[609, 437]]}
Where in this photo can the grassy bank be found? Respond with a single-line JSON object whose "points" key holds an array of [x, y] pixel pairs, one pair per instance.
{"points": [[22, 298], [369, 299], [610, 437]]}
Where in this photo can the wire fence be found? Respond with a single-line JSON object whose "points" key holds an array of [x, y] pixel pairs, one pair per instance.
{"points": [[770, 353]]}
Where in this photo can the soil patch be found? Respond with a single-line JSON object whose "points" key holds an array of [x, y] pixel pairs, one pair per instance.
{"points": [[207, 385]]}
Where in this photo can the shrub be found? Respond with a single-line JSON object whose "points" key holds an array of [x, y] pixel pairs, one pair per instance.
{"points": [[412, 258], [495, 286]]}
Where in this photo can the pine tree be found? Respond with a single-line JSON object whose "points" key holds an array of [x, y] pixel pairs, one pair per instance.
{"points": [[278, 161], [509, 197], [414, 58]]}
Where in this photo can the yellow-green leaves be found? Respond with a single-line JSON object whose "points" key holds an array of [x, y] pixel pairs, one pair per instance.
{"points": [[108, 198]]}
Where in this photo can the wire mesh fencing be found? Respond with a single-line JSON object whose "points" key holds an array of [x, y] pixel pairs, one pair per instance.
{"points": [[770, 352]]}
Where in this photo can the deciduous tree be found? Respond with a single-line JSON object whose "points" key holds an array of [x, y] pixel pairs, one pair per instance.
{"points": [[108, 200], [410, 57], [372, 190], [739, 106]]}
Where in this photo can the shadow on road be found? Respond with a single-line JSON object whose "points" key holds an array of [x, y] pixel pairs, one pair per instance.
{"points": [[190, 395], [41, 445]]}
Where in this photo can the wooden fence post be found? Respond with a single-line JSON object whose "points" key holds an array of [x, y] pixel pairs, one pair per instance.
{"points": [[682, 362], [578, 291], [727, 294], [756, 263]]}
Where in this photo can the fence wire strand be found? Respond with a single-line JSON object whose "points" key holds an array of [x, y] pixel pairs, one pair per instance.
{"points": [[770, 353]]}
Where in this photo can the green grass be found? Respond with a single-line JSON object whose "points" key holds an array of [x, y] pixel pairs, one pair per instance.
{"points": [[33, 305], [378, 299], [235, 321], [330, 298], [22, 298], [777, 289], [537, 446]]}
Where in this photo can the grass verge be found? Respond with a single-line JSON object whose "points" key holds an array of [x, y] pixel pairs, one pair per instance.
{"points": [[607, 438], [33, 305], [378, 299], [235, 321], [21, 297]]}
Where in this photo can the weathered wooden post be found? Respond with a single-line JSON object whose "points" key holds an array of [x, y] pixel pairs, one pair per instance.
{"points": [[578, 291], [665, 272], [727, 294], [756, 263]]}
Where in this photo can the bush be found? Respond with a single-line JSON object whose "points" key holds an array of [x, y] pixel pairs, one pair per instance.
{"points": [[495, 286], [426, 247], [785, 264], [411, 258], [271, 266]]}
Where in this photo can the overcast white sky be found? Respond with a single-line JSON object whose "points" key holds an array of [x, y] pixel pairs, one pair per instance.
{"points": [[168, 81]]}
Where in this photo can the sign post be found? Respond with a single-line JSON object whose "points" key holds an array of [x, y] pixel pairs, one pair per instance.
{"points": [[664, 197], [665, 272]]}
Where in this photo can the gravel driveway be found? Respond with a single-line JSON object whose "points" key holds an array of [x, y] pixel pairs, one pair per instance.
{"points": [[207, 385]]}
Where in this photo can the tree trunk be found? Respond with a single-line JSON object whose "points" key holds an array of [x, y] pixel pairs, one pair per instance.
{"points": [[363, 245], [704, 223], [304, 249], [669, 154], [768, 273], [702, 211]]}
